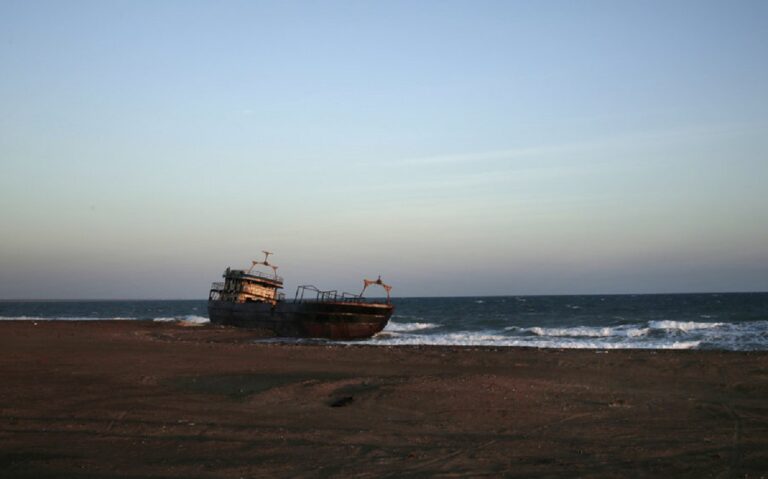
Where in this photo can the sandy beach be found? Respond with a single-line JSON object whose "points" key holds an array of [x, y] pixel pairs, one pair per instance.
{"points": [[119, 399]]}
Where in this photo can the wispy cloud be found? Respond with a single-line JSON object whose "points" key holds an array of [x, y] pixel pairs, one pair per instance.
{"points": [[568, 150], [527, 152]]}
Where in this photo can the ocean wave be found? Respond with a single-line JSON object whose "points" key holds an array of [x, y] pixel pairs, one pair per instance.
{"points": [[396, 327], [490, 338], [190, 319], [25, 318], [468, 338], [684, 326], [586, 331], [744, 336]]}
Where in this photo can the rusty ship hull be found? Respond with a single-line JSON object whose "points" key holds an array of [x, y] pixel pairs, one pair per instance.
{"points": [[327, 319]]}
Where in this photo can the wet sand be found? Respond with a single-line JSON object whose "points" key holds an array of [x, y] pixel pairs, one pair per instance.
{"points": [[126, 399]]}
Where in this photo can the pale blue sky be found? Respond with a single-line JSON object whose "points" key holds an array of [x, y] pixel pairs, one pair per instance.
{"points": [[455, 148]]}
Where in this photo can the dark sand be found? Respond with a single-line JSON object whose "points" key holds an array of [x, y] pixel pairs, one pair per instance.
{"points": [[138, 399]]}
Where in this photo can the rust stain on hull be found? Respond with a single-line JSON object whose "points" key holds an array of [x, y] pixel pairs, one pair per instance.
{"points": [[308, 320]]}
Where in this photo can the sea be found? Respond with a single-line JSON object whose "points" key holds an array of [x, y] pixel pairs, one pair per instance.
{"points": [[711, 321]]}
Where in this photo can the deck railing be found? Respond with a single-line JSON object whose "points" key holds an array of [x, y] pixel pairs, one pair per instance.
{"points": [[306, 293], [309, 293], [261, 274]]}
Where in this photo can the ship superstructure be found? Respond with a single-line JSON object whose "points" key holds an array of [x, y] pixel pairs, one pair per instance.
{"points": [[242, 286]]}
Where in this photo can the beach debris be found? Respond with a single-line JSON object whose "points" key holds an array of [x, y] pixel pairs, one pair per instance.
{"points": [[342, 401]]}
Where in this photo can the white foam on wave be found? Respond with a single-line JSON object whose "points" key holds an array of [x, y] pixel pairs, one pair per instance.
{"points": [[489, 338], [745, 336], [586, 331], [25, 318], [396, 327], [467, 338], [190, 319], [666, 334], [683, 325], [196, 319]]}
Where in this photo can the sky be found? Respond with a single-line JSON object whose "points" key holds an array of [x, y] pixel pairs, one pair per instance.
{"points": [[452, 147]]}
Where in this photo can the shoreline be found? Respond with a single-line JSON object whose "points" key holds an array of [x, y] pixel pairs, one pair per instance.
{"points": [[262, 336], [158, 399]]}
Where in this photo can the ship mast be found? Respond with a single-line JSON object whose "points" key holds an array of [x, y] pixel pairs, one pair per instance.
{"points": [[378, 282], [264, 263]]}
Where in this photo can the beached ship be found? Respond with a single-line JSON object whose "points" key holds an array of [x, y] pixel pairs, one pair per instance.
{"points": [[252, 299]]}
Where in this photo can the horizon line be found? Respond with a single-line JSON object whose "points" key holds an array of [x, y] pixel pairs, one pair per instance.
{"points": [[61, 300]]}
